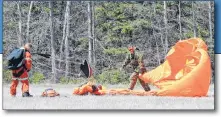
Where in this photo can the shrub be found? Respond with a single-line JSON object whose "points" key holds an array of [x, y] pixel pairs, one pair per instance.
{"points": [[7, 76], [63, 80], [112, 76], [115, 51], [37, 78]]}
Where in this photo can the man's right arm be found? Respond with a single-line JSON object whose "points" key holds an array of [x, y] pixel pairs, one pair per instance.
{"points": [[126, 61], [28, 61]]}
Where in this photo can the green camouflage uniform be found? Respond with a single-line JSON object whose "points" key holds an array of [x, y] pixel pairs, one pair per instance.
{"points": [[136, 61]]}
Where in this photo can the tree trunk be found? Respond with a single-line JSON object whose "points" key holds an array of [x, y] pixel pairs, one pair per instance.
{"points": [[194, 22], [165, 23], [90, 38], [66, 41], [20, 42], [63, 37], [29, 15], [52, 43], [210, 22], [154, 36], [154, 7], [161, 38], [180, 21], [93, 32], [158, 54]]}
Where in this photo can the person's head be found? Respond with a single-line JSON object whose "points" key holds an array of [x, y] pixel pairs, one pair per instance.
{"points": [[132, 49], [28, 46], [99, 87], [95, 88]]}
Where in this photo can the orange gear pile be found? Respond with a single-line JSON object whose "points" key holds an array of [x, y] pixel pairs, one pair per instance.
{"points": [[88, 88]]}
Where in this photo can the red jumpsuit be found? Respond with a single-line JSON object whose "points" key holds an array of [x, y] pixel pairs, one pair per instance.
{"points": [[23, 77]]}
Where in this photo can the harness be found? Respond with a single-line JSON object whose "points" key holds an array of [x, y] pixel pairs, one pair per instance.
{"points": [[20, 79], [19, 73]]}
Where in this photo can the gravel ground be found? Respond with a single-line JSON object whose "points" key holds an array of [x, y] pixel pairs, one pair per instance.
{"points": [[69, 101]]}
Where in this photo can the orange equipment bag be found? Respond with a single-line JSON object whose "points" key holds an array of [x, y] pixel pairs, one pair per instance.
{"points": [[50, 93]]}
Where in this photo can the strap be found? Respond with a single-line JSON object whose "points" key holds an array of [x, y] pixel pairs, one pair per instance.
{"points": [[19, 73], [20, 79], [46, 91]]}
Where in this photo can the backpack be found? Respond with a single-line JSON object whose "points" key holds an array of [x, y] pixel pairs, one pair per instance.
{"points": [[15, 59], [50, 93]]}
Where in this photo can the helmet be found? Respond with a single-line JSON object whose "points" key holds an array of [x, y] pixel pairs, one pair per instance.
{"points": [[131, 48]]}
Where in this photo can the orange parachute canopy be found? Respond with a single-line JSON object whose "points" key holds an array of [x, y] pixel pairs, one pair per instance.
{"points": [[185, 72]]}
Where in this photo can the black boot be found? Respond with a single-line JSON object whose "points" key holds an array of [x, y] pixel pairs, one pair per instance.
{"points": [[144, 85], [26, 94]]}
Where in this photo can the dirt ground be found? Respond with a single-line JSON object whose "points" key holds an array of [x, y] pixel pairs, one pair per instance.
{"points": [[69, 101]]}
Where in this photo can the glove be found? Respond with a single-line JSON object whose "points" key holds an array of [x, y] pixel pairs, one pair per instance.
{"points": [[143, 70]]}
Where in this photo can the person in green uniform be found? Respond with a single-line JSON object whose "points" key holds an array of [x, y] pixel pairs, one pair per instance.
{"points": [[135, 59]]}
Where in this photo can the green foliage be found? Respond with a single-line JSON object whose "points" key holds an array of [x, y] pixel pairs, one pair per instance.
{"points": [[112, 76], [7, 76], [159, 7], [37, 78], [11, 24], [35, 9], [76, 80], [106, 26], [63, 80], [202, 32], [118, 22], [141, 23], [83, 42], [126, 29], [115, 51], [46, 9], [55, 10], [189, 34]]}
